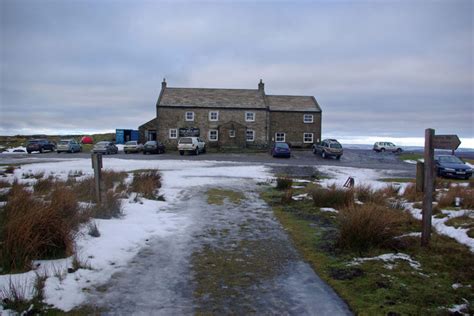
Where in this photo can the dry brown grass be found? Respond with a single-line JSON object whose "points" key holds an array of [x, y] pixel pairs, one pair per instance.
{"points": [[146, 184], [411, 194], [44, 186], [284, 183], [287, 196], [4, 184], [112, 178], [331, 197], [466, 194], [32, 229], [110, 207], [10, 169], [367, 226], [85, 189]]}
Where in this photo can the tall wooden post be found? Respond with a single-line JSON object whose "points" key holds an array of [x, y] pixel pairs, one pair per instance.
{"points": [[428, 187], [97, 166]]}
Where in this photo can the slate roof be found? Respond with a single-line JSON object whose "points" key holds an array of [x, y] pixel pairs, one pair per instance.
{"points": [[213, 98], [236, 98], [293, 103]]}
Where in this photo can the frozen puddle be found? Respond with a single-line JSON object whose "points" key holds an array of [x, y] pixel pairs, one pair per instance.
{"points": [[232, 258]]}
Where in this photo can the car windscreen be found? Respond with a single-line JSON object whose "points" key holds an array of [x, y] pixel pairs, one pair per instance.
{"points": [[186, 140], [33, 141], [450, 159], [281, 145], [63, 142], [102, 143], [335, 146], [150, 143], [131, 143]]}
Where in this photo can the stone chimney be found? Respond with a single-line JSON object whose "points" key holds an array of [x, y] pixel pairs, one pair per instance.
{"points": [[163, 84], [261, 86]]}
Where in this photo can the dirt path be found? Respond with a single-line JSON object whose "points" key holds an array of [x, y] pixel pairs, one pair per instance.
{"points": [[234, 258]]}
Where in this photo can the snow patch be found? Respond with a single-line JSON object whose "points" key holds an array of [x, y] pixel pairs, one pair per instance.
{"points": [[390, 258], [329, 209]]}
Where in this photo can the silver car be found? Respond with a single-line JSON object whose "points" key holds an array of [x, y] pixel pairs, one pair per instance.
{"points": [[68, 145], [105, 147], [132, 146], [387, 146]]}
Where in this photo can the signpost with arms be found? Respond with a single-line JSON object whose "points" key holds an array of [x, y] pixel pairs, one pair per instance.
{"points": [[432, 142]]}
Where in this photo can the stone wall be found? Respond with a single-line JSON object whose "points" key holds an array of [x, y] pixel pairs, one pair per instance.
{"points": [[292, 124], [174, 118]]}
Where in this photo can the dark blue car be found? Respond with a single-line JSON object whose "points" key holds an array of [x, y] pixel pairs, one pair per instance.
{"points": [[452, 166], [281, 150]]}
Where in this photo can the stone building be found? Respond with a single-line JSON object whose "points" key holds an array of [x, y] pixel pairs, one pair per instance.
{"points": [[233, 118]]}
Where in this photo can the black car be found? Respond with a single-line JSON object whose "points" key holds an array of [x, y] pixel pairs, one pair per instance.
{"points": [[281, 150], [153, 147], [40, 145], [452, 166]]}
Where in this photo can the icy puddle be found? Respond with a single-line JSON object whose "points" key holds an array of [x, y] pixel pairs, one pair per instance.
{"points": [[233, 258]]}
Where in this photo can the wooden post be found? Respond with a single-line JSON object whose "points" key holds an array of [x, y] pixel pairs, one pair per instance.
{"points": [[420, 176], [428, 187], [97, 166]]}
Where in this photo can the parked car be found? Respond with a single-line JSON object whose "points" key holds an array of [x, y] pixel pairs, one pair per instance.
{"points": [[105, 147], [452, 166], [40, 145], [132, 146], [68, 145], [281, 150], [153, 147], [387, 146], [191, 144], [328, 148]]}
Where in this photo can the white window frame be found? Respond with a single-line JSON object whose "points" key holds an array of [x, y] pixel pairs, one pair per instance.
{"points": [[189, 119], [175, 130], [247, 119], [308, 121], [232, 133], [253, 135], [280, 141], [304, 138], [210, 116], [209, 135]]}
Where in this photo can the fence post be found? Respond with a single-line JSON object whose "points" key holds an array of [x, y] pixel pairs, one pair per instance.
{"points": [[428, 187], [97, 166]]}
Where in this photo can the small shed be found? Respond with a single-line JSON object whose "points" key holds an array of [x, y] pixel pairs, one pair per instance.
{"points": [[124, 135]]}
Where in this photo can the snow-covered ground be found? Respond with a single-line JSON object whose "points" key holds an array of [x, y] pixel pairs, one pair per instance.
{"points": [[121, 239]]}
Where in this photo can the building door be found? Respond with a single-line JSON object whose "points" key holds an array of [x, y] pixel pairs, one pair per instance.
{"points": [[151, 135]]}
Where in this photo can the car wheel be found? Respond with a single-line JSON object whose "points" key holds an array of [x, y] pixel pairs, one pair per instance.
{"points": [[315, 151], [323, 154], [181, 152], [29, 152], [41, 150], [382, 150], [204, 150], [197, 151], [399, 150], [338, 157]]}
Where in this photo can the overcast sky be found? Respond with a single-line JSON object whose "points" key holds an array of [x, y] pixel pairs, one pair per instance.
{"points": [[377, 68]]}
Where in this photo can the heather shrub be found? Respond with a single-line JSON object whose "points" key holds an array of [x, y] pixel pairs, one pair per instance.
{"points": [[466, 195]]}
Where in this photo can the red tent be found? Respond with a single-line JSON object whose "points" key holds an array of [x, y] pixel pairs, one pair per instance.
{"points": [[87, 140]]}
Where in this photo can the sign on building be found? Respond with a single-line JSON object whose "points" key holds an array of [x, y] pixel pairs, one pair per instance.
{"points": [[189, 132]]}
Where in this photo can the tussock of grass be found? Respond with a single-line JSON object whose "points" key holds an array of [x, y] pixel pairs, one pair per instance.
{"points": [[284, 183], [331, 197], [44, 186], [32, 229], [11, 169], [146, 183], [411, 194], [110, 207], [287, 196], [4, 184], [367, 226], [465, 194]]}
